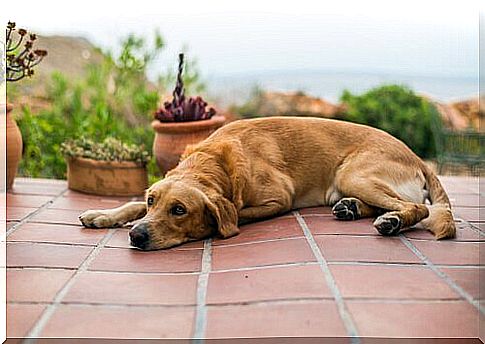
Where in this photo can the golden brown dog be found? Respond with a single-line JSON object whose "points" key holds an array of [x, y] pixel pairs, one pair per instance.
{"points": [[253, 169]]}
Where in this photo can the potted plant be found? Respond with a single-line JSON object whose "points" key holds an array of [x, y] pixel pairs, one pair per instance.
{"points": [[20, 60], [181, 122], [109, 168]]}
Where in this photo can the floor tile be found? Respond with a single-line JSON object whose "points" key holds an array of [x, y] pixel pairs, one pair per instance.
{"points": [[10, 224], [27, 201], [327, 211], [277, 228], [21, 318], [479, 225], [45, 255], [120, 322], [330, 225], [453, 184], [464, 232], [133, 289], [258, 254], [466, 278], [86, 196], [365, 249], [302, 319], [467, 200], [392, 282], [18, 213], [470, 214], [72, 203], [290, 282], [47, 284], [39, 186], [449, 252], [120, 239], [44, 232], [120, 259], [70, 217], [445, 319]]}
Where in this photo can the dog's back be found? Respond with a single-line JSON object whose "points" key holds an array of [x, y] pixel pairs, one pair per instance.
{"points": [[313, 146]]}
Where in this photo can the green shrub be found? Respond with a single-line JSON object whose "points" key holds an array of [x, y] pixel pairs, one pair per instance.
{"points": [[76, 111], [399, 111], [113, 99], [110, 149], [252, 107]]}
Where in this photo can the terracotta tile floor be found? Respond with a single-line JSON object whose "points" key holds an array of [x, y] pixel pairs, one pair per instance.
{"points": [[302, 274]]}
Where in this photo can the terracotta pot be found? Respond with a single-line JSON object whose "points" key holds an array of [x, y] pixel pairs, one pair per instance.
{"points": [[14, 147], [171, 138], [106, 178]]}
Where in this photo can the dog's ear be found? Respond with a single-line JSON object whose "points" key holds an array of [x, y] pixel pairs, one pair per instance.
{"points": [[222, 214]]}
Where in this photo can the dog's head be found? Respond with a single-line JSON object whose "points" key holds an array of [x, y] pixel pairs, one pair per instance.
{"points": [[178, 212]]}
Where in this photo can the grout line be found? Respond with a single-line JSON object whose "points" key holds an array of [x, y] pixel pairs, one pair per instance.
{"points": [[442, 275], [364, 263], [145, 273], [331, 299], [249, 268], [202, 283], [472, 227], [342, 309], [36, 331], [263, 267], [258, 241], [29, 216], [47, 222], [244, 303], [103, 305], [54, 243], [317, 215]]}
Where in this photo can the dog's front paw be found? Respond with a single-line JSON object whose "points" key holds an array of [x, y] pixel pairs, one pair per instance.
{"points": [[346, 209], [97, 219], [388, 224]]}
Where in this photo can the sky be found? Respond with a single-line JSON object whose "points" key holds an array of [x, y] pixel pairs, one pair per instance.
{"points": [[238, 37]]}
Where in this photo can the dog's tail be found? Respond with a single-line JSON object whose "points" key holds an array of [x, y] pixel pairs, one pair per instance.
{"points": [[440, 220]]}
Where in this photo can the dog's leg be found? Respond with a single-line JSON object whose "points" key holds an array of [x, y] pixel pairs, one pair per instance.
{"points": [[377, 193], [353, 209], [113, 217]]}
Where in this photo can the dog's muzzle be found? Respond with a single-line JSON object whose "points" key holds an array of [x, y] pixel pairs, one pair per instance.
{"points": [[139, 236]]}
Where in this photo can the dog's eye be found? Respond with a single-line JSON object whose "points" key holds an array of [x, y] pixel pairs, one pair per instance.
{"points": [[150, 201], [178, 210]]}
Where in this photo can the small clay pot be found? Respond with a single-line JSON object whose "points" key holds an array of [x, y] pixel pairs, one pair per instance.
{"points": [[171, 138], [14, 147], [106, 178]]}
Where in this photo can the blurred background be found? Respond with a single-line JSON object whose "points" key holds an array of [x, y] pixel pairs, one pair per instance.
{"points": [[408, 67]]}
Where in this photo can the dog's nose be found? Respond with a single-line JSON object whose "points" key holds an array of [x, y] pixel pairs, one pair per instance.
{"points": [[139, 236]]}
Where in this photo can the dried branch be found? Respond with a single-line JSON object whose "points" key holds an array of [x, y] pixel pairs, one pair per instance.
{"points": [[20, 64]]}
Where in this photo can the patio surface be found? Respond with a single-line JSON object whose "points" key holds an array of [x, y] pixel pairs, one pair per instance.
{"points": [[302, 274]]}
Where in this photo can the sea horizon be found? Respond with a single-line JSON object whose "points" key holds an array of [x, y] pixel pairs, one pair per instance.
{"points": [[236, 88]]}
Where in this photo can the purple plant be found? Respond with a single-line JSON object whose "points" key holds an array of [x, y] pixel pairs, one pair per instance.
{"points": [[21, 61], [180, 109]]}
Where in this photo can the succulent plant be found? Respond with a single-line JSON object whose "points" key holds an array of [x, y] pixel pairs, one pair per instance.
{"points": [[110, 149], [21, 61], [181, 109]]}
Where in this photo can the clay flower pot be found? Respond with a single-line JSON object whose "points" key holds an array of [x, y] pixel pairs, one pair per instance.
{"points": [[171, 138], [14, 147], [107, 178]]}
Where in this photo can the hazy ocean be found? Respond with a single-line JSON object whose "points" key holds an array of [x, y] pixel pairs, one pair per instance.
{"points": [[329, 85]]}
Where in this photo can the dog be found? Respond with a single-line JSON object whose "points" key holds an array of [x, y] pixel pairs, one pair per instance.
{"points": [[259, 168]]}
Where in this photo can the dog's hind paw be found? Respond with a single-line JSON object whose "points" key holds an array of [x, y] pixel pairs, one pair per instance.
{"points": [[346, 209], [388, 224], [97, 219]]}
